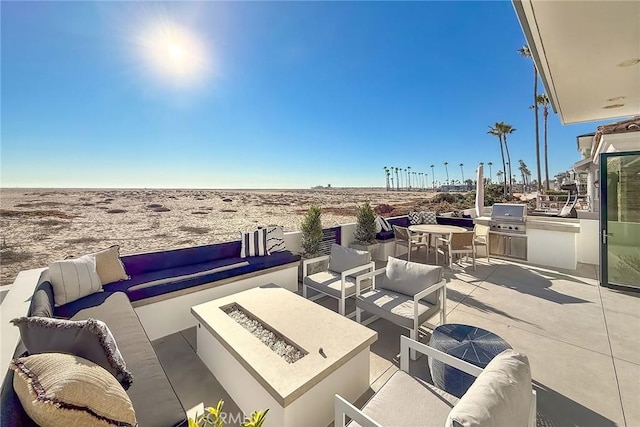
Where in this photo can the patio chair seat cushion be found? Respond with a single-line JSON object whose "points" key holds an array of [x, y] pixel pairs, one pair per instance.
{"points": [[151, 393], [395, 307], [499, 397], [343, 259], [409, 278], [406, 401], [329, 282]]}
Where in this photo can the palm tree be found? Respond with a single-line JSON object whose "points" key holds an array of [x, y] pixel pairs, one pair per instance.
{"points": [[433, 178], [522, 168], [506, 130], [526, 53], [543, 100], [446, 169], [497, 131], [409, 176], [386, 174], [397, 180], [490, 164], [462, 171], [499, 174]]}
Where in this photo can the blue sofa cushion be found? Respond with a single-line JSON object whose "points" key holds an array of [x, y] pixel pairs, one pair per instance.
{"points": [[163, 260], [384, 235], [459, 222]]}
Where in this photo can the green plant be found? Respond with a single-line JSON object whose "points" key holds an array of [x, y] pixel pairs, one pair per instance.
{"points": [[214, 417], [311, 228], [366, 228]]}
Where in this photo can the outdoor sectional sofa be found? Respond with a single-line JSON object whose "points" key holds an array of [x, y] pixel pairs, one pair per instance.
{"points": [[158, 277]]}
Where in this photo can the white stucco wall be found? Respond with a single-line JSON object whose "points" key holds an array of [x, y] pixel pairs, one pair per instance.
{"points": [[587, 241]]}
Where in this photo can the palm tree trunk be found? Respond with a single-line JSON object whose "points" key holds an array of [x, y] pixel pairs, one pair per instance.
{"points": [[506, 147], [546, 156], [504, 167], [535, 108]]}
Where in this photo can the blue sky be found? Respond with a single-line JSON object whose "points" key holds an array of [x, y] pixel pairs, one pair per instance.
{"points": [[262, 94]]}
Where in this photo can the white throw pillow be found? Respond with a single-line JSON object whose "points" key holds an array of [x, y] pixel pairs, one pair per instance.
{"points": [[428, 217], [386, 226], [73, 279], [275, 240], [499, 397], [378, 224]]}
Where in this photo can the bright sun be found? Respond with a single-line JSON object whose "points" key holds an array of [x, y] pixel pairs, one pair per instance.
{"points": [[173, 52]]}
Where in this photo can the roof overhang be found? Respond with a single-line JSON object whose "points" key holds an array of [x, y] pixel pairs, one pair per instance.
{"points": [[579, 48], [583, 165], [615, 143]]}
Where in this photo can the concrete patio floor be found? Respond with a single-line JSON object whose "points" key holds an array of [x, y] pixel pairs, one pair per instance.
{"points": [[582, 340]]}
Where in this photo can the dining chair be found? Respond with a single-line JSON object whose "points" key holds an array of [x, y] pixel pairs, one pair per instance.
{"points": [[458, 243], [481, 238], [404, 237]]}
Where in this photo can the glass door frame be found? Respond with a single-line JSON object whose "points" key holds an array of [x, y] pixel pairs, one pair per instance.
{"points": [[604, 254]]}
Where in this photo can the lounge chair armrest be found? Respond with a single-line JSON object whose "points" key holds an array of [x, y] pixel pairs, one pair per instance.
{"points": [[369, 266], [306, 262], [407, 343], [342, 408], [442, 239]]}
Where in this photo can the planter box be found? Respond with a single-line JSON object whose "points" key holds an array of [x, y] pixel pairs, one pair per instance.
{"points": [[371, 248]]}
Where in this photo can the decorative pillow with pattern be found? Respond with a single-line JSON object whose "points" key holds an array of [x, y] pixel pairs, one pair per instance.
{"points": [[73, 279], [60, 390], [428, 217], [386, 226], [275, 239], [254, 243], [90, 339], [415, 218]]}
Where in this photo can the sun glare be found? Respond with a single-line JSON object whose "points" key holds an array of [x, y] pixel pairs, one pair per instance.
{"points": [[175, 53]]}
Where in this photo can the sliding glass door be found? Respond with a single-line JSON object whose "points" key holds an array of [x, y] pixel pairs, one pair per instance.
{"points": [[620, 219]]}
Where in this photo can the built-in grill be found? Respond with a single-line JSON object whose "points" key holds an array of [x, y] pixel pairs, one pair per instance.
{"points": [[508, 218], [508, 228]]}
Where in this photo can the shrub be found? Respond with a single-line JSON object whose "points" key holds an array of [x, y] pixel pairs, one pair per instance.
{"points": [[366, 228], [311, 228]]}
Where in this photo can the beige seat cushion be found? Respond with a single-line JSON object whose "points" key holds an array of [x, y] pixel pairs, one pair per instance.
{"points": [[329, 282], [500, 396], [68, 391], [396, 308], [109, 266], [73, 279], [406, 401]]}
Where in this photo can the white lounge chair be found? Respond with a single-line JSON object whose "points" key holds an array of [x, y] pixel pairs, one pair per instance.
{"points": [[501, 396], [339, 279]]}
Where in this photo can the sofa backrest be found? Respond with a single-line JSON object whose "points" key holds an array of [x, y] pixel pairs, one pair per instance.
{"points": [[42, 302], [401, 221], [154, 261]]}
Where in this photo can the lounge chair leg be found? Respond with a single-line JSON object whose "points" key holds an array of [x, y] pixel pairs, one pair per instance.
{"points": [[414, 336], [341, 306], [358, 315], [304, 291]]}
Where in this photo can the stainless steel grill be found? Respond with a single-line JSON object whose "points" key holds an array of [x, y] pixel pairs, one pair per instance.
{"points": [[508, 218]]}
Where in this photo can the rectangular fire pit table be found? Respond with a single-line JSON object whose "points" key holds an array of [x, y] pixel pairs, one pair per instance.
{"points": [[336, 355]]}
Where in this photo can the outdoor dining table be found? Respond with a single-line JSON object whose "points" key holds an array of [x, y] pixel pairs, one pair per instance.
{"points": [[438, 229]]}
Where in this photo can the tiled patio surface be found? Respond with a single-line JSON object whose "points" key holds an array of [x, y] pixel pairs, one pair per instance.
{"points": [[583, 341]]}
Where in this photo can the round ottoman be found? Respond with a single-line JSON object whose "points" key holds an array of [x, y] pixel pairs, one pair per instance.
{"points": [[469, 343]]}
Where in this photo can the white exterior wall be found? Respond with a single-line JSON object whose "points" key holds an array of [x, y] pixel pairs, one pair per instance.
{"points": [[346, 233], [551, 248], [587, 241]]}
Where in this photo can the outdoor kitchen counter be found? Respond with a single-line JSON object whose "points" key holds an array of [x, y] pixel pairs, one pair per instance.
{"points": [[551, 241]]}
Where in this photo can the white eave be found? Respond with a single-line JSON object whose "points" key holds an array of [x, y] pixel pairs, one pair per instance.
{"points": [[578, 47]]}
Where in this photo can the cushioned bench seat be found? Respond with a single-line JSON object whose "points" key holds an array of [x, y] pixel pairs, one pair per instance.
{"points": [[402, 221], [170, 276]]}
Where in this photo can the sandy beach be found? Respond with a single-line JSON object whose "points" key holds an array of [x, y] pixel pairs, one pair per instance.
{"points": [[40, 226]]}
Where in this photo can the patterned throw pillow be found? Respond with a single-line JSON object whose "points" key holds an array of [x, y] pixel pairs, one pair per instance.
{"points": [[73, 279], [386, 226], [428, 217], [275, 240], [254, 243], [65, 390], [415, 218], [90, 339], [109, 266]]}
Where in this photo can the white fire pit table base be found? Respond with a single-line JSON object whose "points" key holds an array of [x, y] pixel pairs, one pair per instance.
{"points": [[257, 378]]}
